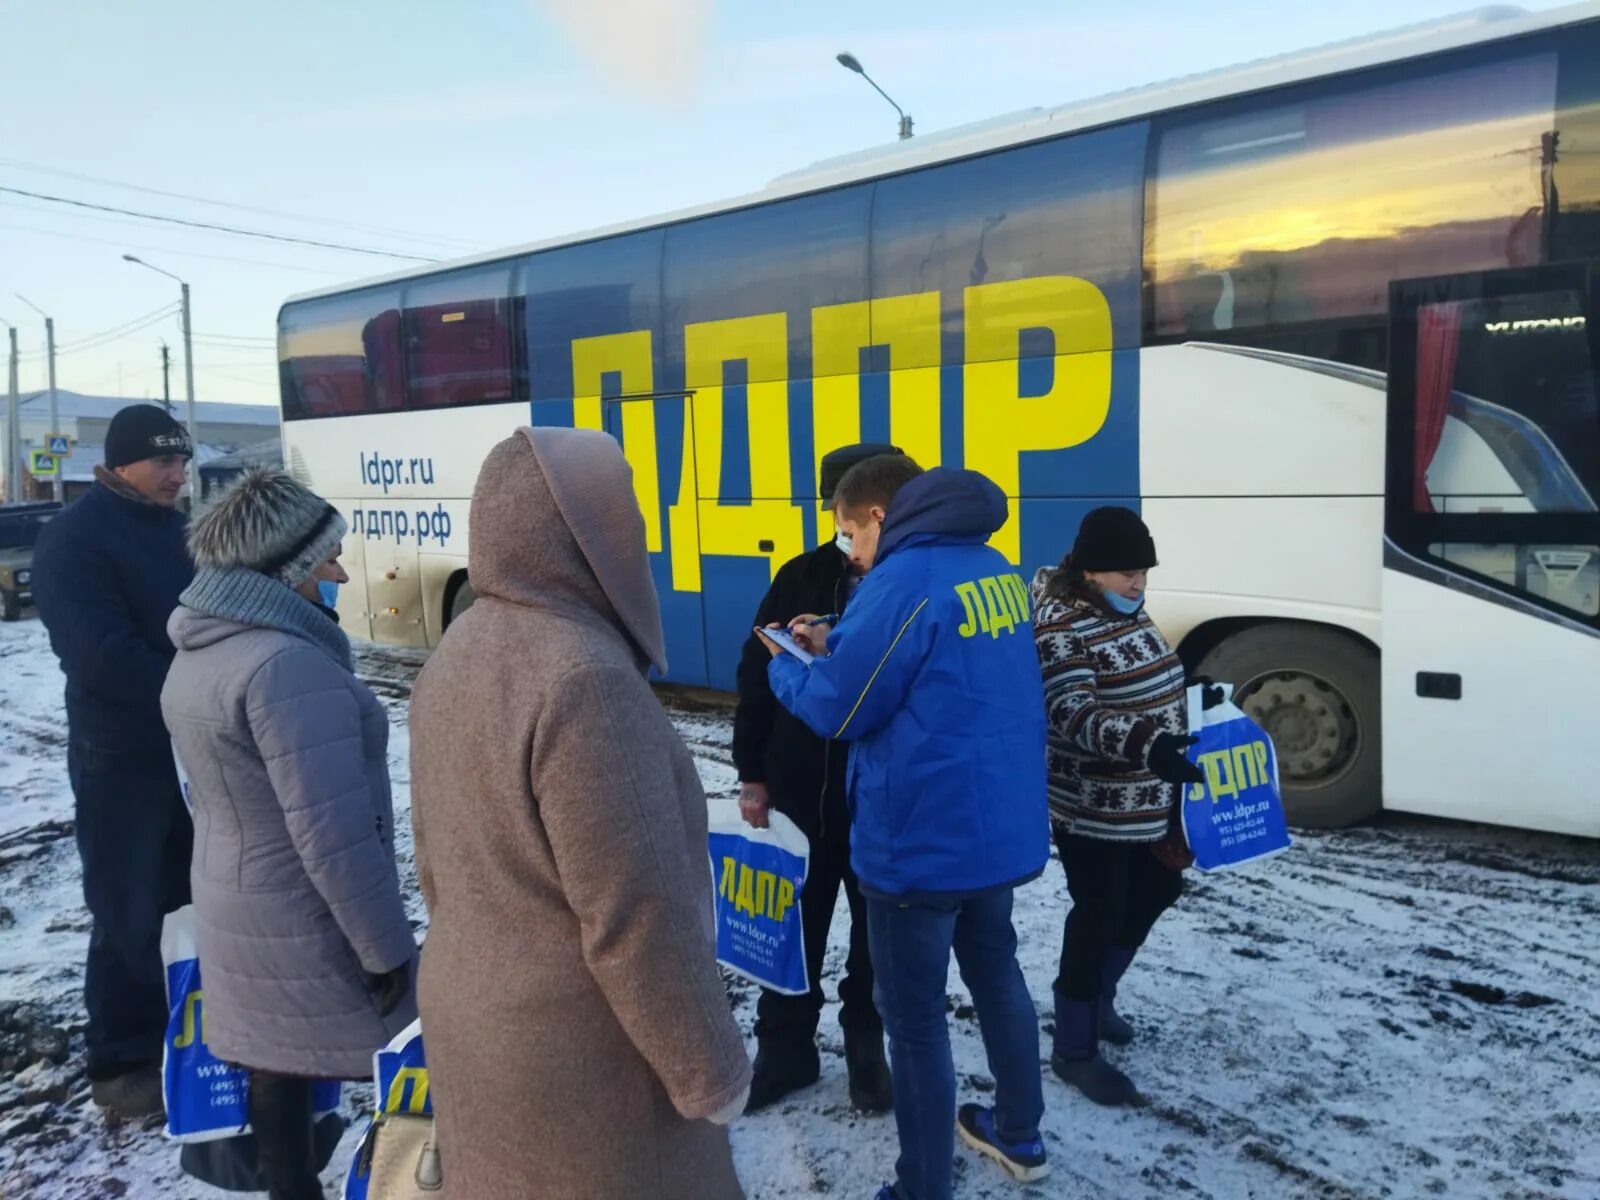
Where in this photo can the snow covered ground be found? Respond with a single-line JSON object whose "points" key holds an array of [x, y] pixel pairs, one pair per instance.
{"points": [[1406, 1010]]}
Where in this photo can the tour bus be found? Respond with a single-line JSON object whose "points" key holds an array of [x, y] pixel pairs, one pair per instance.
{"points": [[1325, 320]]}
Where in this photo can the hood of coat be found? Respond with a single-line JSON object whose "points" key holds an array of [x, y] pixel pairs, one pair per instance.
{"points": [[191, 630], [555, 524], [944, 504]]}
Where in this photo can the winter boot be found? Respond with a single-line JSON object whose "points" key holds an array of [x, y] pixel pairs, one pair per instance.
{"points": [[871, 1085], [280, 1115], [1023, 1161], [1113, 1028], [130, 1097], [782, 1068], [1076, 1058]]}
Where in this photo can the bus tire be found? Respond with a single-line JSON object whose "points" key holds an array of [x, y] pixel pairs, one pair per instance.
{"points": [[461, 599], [1316, 691]]}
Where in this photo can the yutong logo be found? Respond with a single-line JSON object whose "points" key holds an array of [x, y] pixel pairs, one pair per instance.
{"points": [[1535, 325]]}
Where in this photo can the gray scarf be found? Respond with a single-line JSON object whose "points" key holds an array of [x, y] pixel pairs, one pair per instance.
{"points": [[251, 598]]}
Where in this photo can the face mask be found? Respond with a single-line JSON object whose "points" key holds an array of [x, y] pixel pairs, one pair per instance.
{"points": [[845, 543], [329, 591], [1122, 604]]}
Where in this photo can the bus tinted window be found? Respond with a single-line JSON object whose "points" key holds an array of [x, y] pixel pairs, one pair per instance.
{"points": [[1287, 211], [591, 290], [786, 258], [1065, 207], [340, 356], [461, 339]]}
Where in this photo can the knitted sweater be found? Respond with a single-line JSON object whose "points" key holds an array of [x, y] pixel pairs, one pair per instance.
{"points": [[1111, 685]]}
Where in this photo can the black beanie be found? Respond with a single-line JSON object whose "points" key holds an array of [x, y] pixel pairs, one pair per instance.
{"points": [[143, 431], [836, 463], [1113, 539]]}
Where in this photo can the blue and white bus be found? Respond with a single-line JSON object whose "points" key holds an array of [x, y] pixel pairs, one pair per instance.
{"points": [[1182, 298]]}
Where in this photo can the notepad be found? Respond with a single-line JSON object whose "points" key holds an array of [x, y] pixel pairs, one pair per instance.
{"points": [[786, 641]]}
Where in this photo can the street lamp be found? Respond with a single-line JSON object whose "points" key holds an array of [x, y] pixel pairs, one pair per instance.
{"points": [[188, 373], [851, 63], [55, 415], [13, 419]]}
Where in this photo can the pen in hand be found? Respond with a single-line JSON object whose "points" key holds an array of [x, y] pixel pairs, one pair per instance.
{"points": [[830, 619]]}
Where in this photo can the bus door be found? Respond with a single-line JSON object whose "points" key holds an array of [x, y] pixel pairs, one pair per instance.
{"points": [[1491, 577]]}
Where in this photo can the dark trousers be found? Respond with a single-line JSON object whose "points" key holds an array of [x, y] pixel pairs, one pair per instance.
{"points": [[280, 1117], [135, 839], [794, 1019], [911, 945], [1119, 890]]}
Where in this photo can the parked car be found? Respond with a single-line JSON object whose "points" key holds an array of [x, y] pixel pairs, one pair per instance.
{"points": [[19, 530]]}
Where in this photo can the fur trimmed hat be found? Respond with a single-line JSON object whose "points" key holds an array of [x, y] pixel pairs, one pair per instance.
{"points": [[269, 524]]}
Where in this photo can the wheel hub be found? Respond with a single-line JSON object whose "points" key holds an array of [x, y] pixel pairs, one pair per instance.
{"points": [[1313, 726]]}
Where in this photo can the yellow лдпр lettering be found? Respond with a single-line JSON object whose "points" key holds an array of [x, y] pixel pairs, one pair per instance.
{"points": [[194, 1018], [627, 355], [1000, 423], [754, 892], [994, 604], [417, 1078]]}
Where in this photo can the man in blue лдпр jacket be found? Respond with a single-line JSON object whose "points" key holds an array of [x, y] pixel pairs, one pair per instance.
{"points": [[932, 678], [106, 573]]}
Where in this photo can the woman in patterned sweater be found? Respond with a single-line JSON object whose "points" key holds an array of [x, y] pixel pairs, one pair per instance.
{"points": [[1114, 693]]}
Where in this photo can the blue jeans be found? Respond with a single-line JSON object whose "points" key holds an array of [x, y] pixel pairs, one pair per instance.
{"points": [[911, 946]]}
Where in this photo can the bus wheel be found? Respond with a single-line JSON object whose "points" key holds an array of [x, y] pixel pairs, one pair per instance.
{"points": [[1315, 691], [460, 600]]}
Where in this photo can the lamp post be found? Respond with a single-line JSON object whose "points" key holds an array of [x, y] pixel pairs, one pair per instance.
{"points": [[55, 414], [13, 423], [851, 63], [188, 374]]}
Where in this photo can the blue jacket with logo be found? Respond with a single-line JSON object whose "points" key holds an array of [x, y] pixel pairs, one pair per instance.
{"points": [[933, 679]]}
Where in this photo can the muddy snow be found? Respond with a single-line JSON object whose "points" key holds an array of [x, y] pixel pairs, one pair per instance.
{"points": [[1405, 1010]]}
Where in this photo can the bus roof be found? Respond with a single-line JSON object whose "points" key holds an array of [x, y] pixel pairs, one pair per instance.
{"points": [[1469, 28]]}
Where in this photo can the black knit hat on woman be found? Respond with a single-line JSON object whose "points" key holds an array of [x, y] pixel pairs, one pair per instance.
{"points": [[1113, 539], [269, 524]]}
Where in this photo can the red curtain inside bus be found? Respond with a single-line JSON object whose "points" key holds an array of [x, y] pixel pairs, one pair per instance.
{"points": [[1438, 339]]}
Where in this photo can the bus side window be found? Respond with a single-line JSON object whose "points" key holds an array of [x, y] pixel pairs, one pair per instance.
{"points": [[1281, 222], [461, 337], [1507, 423], [341, 355]]}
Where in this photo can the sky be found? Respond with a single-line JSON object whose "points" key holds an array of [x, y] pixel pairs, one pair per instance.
{"points": [[437, 131]]}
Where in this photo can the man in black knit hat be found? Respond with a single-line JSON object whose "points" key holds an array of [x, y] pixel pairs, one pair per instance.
{"points": [[783, 765], [107, 572]]}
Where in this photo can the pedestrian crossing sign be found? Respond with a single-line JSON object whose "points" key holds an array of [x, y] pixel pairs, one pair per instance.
{"points": [[60, 445], [43, 465]]}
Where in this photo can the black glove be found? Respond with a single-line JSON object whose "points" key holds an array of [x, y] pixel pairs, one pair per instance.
{"points": [[388, 989], [1168, 762], [1211, 695]]}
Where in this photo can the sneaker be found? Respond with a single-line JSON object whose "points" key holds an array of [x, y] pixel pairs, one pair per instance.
{"points": [[871, 1085], [1098, 1080], [1023, 1161], [782, 1068], [130, 1097]]}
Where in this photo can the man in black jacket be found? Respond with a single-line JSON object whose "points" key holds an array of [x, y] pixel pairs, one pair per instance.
{"points": [[107, 572], [783, 765]]}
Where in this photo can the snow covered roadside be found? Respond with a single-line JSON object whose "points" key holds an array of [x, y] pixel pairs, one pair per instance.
{"points": [[1409, 1010]]}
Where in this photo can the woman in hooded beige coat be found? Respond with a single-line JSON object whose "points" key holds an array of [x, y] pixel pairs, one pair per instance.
{"points": [[578, 1035]]}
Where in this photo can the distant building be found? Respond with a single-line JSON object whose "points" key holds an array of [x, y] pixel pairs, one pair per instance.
{"points": [[224, 429], [217, 473]]}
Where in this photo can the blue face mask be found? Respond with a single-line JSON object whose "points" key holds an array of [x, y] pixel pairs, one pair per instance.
{"points": [[329, 591], [1122, 604]]}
